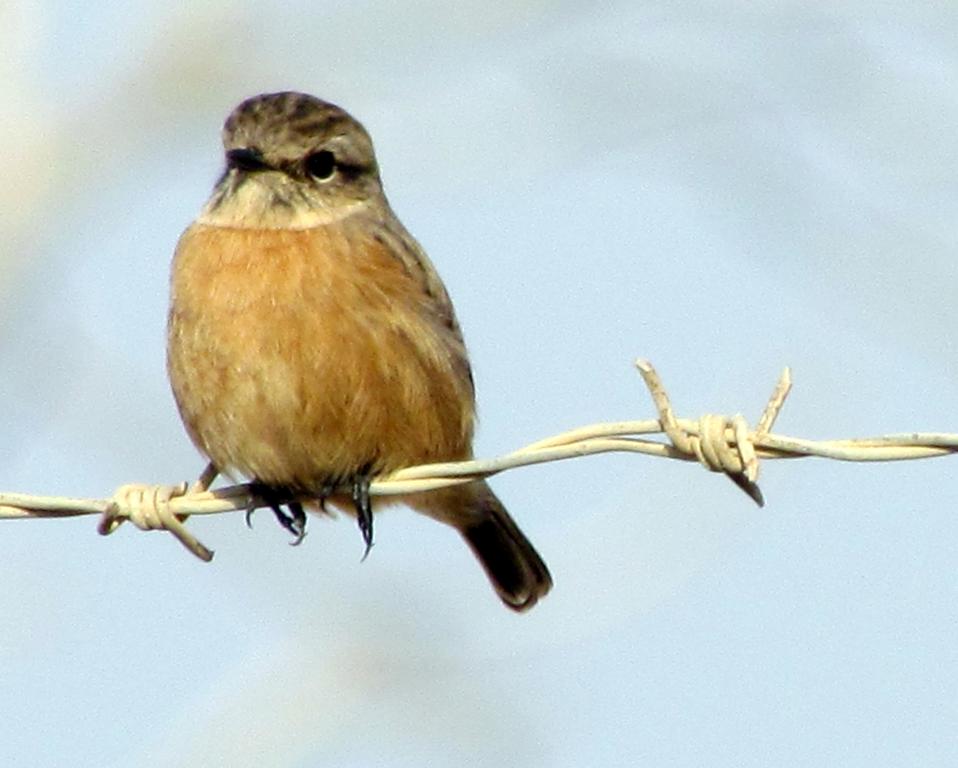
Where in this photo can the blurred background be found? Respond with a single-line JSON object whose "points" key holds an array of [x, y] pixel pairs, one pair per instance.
{"points": [[724, 188]]}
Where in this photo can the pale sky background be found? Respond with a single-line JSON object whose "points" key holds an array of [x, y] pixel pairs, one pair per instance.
{"points": [[724, 188]]}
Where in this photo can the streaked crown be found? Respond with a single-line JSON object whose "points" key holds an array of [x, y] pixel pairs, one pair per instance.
{"points": [[286, 127], [292, 160]]}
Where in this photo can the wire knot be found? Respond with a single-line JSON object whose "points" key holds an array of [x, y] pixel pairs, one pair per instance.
{"points": [[719, 443], [723, 444], [148, 508]]}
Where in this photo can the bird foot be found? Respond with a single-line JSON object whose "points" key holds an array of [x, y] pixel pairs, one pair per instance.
{"points": [[293, 521], [364, 510]]}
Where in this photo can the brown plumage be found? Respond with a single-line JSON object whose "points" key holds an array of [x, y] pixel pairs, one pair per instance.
{"points": [[310, 339]]}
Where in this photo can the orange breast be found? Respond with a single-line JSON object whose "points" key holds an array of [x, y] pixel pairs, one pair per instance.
{"points": [[299, 356]]}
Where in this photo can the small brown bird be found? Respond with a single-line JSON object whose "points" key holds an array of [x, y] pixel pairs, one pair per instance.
{"points": [[313, 346]]}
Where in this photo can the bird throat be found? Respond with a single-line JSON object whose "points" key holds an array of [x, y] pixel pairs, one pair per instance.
{"points": [[259, 202]]}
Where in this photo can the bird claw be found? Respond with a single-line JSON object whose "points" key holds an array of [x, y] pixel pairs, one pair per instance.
{"points": [[364, 510], [324, 493], [294, 521]]}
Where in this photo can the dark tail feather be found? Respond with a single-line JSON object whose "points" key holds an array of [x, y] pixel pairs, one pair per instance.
{"points": [[509, 559]]}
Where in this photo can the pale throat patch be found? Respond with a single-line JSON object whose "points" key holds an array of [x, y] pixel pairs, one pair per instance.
{"points": [[254, 206]]}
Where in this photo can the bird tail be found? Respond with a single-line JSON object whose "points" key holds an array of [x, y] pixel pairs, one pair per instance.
{"points": [[516, 571]]}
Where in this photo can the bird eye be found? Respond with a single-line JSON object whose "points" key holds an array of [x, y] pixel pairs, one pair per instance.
{"points": [[321, 165]]}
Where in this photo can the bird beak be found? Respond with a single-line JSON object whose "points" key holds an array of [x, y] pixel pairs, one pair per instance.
{"points": [[246, 159]]}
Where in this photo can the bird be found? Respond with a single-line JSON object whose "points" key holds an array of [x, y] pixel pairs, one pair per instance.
{"points": [[311, 344]]}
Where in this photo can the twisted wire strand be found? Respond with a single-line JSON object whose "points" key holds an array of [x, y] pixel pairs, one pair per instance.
{"points": [[724, 444]]}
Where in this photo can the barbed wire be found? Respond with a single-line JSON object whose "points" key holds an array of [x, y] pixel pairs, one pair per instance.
{"points": [[723, 444]]}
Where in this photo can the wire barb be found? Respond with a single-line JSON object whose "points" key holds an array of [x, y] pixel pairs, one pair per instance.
{"points": [[711, 445], [148, 508], [720, 443]]}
